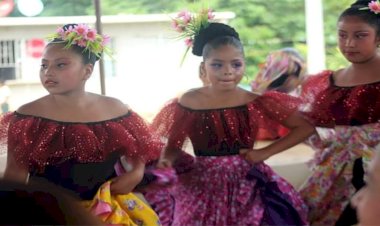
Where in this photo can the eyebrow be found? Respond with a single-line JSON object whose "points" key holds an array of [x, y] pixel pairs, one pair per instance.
{"points": [[216, 60], [62, 58], [360, 31], [236, 59]]}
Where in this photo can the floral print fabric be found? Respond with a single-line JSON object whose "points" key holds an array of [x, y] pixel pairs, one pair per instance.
{"points": [[328, 190]]}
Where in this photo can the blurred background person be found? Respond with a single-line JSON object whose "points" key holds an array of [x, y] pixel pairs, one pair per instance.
{"points": [[5, 93], [282, 71]]}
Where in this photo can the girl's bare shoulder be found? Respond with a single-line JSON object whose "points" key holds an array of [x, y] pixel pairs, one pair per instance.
{"points": [[193, 97], [112, 105], [36, 107], [248, 96]]}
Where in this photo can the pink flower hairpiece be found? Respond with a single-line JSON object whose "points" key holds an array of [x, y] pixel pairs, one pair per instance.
{"points": [[189, 24], [373, 6], [83, 36]]}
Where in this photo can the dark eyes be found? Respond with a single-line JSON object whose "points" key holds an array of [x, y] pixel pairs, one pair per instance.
{"points": [[215, 65], [237, 65], [234, 65], [361, 35], [356, 36], [59, 65], [342, 36]]}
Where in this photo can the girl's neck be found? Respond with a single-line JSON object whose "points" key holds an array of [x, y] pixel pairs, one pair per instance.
{"points": [[77, 100], [359, 73], [224, 93], [367, 65], [367, 69], [224, 98]]}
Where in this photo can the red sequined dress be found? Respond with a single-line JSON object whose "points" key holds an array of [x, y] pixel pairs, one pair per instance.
{"points": [[77, 156], [221, 188], [332, 105], [347, 119]]}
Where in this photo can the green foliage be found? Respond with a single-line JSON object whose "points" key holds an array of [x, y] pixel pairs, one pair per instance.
{"points": [[65, 8], [331, 12], [263, 25], [261, 31]]}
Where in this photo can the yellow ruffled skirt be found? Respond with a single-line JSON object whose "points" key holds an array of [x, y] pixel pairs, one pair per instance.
{"points": [[121, 209]]}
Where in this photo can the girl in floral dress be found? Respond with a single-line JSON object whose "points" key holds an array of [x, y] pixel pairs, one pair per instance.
{"points": [[345, 105], [74, 138], [228, 183]]}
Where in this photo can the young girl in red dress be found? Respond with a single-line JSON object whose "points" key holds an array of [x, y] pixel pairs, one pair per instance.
{"points": [[228, 183], [73, 138], [345, 105]]}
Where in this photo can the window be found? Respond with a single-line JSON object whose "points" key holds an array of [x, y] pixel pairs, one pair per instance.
{"points": [[7, 60]]}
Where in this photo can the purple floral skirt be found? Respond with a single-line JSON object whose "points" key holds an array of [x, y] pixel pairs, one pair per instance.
{"points": [[227, 190]]}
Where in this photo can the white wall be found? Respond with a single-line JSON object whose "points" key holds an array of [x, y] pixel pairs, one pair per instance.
{"points": [[148, 67], [147, 59]]}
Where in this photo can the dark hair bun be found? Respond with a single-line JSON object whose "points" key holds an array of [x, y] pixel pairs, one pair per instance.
{"points": [[67, 26], [213, 30]]}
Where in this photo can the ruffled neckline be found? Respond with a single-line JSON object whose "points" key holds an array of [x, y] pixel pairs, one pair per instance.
{"points": [[213, 109], [18, 114], [332, 82]]}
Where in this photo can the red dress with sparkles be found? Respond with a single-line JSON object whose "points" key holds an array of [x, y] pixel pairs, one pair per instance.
{"points": [[349, 116], [219, 188], [77, 156], [332, 105]]}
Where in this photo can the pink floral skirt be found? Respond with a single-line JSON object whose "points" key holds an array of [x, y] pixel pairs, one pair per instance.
{"points": [[217, 192]]}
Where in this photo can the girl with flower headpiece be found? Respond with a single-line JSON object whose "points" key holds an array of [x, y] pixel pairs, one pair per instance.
{"points": [[74, 138], [345, 105], [282, 71], [228, 183]]}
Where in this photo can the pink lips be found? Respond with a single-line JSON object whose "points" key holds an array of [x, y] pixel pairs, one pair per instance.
{"points": [[50, 82]]}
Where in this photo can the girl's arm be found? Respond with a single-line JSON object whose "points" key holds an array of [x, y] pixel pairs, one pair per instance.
{"points": [[14, 172], [168, 157], [300, 129], [126, 182]]}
